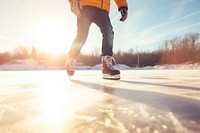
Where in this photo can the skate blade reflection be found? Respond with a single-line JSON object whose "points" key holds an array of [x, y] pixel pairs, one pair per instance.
{"points": [[111, 77]]}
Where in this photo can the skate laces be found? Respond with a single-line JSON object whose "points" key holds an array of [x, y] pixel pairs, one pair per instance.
{"points": [[108, 61]]}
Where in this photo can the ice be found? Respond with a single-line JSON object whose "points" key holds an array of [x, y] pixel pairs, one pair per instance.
{"points": [[146, 99], [142, 101]]}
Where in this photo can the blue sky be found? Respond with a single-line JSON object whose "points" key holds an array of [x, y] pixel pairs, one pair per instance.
{"points": [[50, 25]]}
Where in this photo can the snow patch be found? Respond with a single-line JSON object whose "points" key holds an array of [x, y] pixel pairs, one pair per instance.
{"points": [[31, 64]]}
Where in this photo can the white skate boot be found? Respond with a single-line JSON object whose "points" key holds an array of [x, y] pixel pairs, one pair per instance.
{"points": [[70, 66]]}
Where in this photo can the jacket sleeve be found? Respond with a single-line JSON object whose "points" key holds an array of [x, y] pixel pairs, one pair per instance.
{"points": [[121, 4]]}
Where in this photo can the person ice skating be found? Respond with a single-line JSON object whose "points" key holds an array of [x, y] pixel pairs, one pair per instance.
{"points": [[95, 11]]}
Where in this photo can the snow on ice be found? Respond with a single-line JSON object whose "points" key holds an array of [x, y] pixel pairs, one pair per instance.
{"points": [[31, 64]]}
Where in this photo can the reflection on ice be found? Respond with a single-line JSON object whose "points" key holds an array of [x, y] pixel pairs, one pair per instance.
{"points": [[56, 102], [53, 103]]}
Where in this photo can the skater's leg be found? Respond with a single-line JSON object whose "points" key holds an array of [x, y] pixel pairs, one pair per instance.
{"points": [[103, 21], [83, 25]]}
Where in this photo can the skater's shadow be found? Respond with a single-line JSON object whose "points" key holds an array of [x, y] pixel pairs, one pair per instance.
{"points": [[181, 106], [162, 85]]}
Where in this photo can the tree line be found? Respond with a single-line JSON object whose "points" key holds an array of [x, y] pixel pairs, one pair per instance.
{"points": [[177, 50], [174, 51]]}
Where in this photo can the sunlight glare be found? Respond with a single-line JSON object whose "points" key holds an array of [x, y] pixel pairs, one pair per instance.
{"points": [[53, 36], [55, 102], [58, 103]]}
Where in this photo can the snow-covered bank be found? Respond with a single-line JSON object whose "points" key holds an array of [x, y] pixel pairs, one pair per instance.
{"points": [[27, 64], [175, 67], [30, 64]]}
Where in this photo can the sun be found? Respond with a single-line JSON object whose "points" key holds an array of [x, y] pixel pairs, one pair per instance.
{"points": [[53, 37]]}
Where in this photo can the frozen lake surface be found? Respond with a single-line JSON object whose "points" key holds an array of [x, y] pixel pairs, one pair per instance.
{"points": [[143, 101]]}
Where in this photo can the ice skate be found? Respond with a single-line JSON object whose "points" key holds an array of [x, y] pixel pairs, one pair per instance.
{"points": [[108, 71], [70, 66]]}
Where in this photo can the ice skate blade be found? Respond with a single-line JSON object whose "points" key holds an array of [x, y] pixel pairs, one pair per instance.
{"points": [[111, 77], [70, 75]]}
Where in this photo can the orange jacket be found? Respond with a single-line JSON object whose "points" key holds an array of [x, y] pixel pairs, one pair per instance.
{"points": [[103, 4]]}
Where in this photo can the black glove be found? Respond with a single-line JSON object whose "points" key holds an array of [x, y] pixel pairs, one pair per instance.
{"points": [[124, 13]]}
